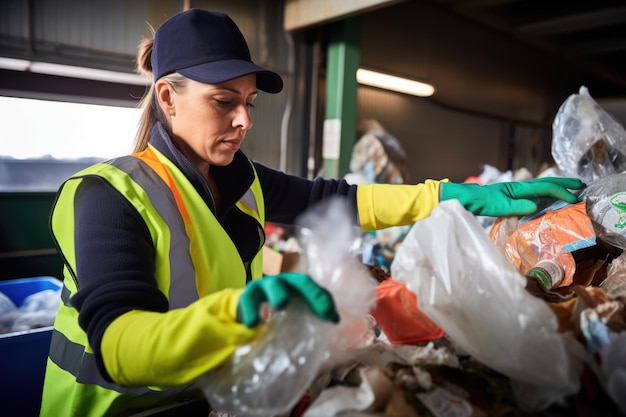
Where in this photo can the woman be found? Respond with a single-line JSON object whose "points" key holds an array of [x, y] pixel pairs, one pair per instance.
{"points": [[162, 247]]}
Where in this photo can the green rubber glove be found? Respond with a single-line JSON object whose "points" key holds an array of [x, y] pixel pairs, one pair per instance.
{"points": [[277, 290], [510, 198]]}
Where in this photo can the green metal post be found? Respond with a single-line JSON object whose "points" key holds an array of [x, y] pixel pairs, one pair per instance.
{"points": [[343, 59]]}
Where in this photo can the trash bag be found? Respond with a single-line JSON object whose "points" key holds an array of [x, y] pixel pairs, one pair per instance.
{"points": [[466, 286], [587, 142]]}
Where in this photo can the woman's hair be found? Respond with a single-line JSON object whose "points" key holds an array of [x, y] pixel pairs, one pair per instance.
{"points": [[152, 112]]}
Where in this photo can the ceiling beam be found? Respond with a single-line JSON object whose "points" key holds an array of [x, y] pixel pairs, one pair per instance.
{"points": [[300, 14], [603, 46], [464, 5], [574, 23]]}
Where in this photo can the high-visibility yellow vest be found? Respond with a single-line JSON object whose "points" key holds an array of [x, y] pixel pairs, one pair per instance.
{"points": [[194, 257]]}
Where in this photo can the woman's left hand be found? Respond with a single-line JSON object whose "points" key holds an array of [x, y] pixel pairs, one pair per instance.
{"points": [[278, 290]]}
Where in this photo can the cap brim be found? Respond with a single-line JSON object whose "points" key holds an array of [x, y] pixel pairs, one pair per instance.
{"points": [[218, 72]]}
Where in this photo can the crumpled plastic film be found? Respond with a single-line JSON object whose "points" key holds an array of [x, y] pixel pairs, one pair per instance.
{"points": [[615, 283], [466, 285], [550, 234], [270, 375], [327, 233], [587, 142], [613, 359]]}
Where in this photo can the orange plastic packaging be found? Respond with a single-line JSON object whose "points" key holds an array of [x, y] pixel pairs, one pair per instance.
{"points": [[552, 234], [399, 316]]}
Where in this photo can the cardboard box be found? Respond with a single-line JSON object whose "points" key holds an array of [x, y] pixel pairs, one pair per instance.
{"points": [[23, 355], [275, 262]]}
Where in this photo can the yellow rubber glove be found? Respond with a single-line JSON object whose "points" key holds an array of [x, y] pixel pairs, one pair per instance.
{"points": [[173, 349], [385, 205]]}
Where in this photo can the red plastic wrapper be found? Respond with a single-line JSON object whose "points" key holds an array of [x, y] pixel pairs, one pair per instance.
{"points": [[399, 317]]}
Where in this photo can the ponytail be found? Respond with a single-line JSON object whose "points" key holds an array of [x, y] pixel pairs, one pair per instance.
{"points": [[152, 112]]}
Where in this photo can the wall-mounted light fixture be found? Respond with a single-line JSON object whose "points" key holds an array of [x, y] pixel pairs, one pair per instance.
{"points": [[393, 83], [73, 72]]}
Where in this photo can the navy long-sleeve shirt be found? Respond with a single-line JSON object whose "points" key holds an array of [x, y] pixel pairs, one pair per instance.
{"points": [[114, 252]]}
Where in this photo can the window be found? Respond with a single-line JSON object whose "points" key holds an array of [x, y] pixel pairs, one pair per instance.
{"points": [[43, 142]]}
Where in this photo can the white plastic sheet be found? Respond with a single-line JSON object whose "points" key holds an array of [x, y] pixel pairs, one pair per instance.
{"points": [[466, 285]]}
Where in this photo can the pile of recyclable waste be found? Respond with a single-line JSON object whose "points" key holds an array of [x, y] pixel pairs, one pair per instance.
{"points": [[518, 316]]}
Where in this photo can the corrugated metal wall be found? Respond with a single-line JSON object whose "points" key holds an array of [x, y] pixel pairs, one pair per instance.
{"points": [[105, 34], [102, 35]]}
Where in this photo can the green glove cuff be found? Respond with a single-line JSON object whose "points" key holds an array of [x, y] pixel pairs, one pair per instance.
{"points": [[510, 198], [278, 290]]}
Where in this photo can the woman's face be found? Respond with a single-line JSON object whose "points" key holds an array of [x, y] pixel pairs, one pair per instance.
{"points": [[209, 121]]}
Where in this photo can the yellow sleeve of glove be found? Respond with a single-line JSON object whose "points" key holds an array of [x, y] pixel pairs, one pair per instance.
{"points": [[165, 350], [385, 205]]}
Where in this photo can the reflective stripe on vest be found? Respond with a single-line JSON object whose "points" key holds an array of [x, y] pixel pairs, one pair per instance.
{"points": [[162, 197], [83, 366]]}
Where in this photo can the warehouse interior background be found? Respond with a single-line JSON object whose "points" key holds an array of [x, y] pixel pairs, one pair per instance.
{"points": [[500, 68]]}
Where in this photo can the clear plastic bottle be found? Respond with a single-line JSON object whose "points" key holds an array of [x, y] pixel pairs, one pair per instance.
{"points": [[269, 376], [549, 272]]}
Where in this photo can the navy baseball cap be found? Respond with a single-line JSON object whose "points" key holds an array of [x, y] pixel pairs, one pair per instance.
{"points": [[208, 47]]}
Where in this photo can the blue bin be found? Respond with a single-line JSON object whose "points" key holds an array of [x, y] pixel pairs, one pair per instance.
{"points": [[23, 354]]}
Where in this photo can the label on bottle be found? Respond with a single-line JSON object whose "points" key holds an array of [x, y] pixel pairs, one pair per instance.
{"points": [[548, 272]]}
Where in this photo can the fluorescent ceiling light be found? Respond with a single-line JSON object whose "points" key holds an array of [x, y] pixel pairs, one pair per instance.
{"points": [[88, 73], [14, 64], [73, 72], [393, 83]]}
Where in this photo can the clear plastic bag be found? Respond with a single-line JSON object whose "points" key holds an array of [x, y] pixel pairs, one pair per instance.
{"points": [[6, 305], [327, 236], [606, 207], [587, 142], [466, 285], [270, 375], [36, 310], [615, 282]]}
